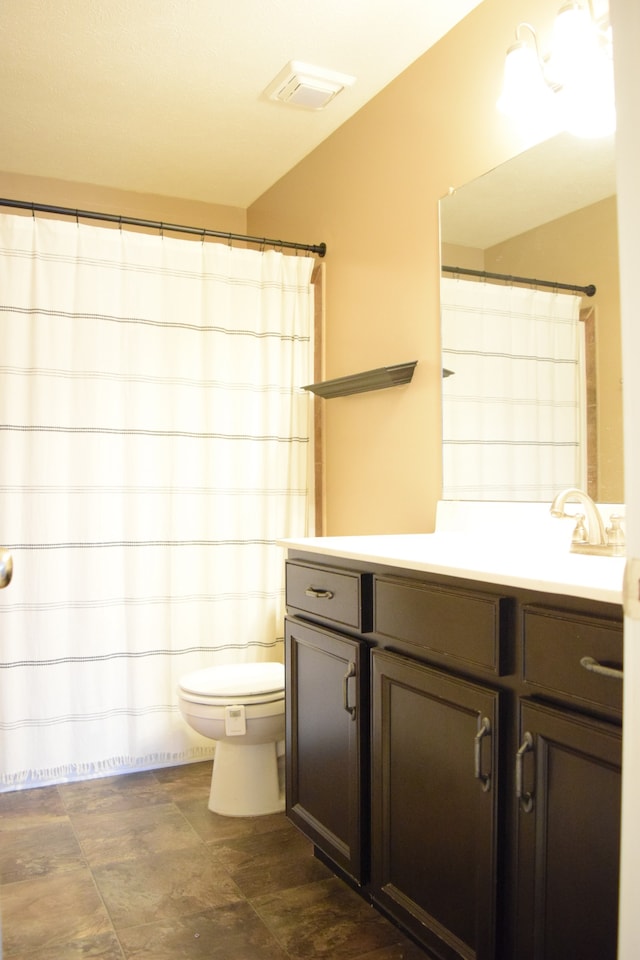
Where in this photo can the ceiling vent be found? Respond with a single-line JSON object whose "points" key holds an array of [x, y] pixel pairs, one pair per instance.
{"points": [[302, 85]]}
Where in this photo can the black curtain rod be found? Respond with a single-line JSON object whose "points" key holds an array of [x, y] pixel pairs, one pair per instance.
{"points": [[588, 291], [319, 248]]}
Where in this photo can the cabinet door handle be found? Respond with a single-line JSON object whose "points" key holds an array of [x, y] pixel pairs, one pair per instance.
{"points": [[484, 730], [594, 667], [351, 672], [318, 594], [526, 799]]}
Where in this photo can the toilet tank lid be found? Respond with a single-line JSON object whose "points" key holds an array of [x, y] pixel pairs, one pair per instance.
{"points": [[235, 680]]}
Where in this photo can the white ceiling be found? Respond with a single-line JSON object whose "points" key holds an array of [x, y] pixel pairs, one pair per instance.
{"points": [[165, 96]]}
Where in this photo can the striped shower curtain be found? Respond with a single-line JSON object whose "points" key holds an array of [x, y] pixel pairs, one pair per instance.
{"points": [[154, 445], [513, 418]]}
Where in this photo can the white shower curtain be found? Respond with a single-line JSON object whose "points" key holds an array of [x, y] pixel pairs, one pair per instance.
{"points": [[513, 420], [154, 444]]}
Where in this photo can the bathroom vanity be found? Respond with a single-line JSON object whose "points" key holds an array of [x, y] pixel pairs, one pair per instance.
{"points": [[454, 738]]}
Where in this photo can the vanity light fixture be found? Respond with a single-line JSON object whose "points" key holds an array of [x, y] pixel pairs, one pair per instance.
{"points": [[570, 89]]}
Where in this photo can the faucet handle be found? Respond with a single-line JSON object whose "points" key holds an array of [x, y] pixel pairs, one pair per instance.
{"points": [[579, 534], [615, 533]]}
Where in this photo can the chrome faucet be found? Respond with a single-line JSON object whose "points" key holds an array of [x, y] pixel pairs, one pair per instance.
{"points": [[591, 537]]}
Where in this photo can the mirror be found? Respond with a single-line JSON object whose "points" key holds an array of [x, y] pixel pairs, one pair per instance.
{"points": [[550, 214]]}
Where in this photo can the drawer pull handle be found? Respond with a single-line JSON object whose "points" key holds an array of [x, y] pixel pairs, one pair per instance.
{"points": [[351, 672], [318, 594], [594, 667], [526, 799], [484, 730]]}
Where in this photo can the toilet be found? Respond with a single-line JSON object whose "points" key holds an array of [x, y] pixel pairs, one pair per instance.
{"points": [[241, 707]]}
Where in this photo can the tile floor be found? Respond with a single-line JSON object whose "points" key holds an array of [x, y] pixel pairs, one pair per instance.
{"points": [[136, 866]]}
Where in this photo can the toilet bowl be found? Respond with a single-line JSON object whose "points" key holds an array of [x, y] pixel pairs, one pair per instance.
{"points": [[241, 707]]}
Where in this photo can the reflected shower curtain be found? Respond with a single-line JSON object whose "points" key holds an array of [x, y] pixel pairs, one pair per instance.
{"points": [[513, 421], [154, 445]]}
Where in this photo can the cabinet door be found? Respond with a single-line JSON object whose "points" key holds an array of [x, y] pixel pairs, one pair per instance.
{"points": [[326, 725], [434, 756], [568, 782]]}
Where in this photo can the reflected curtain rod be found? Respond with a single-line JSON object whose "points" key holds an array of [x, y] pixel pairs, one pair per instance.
{"points": [[319, 248], [588, 291]]}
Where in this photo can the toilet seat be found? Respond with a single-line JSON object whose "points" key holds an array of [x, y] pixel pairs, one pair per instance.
{"points": [[236, 683]]}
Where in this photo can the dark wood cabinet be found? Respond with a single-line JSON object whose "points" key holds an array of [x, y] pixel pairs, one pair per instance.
{"points": [[572, 659], [569, 779], [461, 629], [455, 749], [434, 805], [327, 724]]}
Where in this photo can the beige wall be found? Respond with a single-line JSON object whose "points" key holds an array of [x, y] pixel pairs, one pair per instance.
{"points": [[141, 206], [371, 193], [454, 255]]}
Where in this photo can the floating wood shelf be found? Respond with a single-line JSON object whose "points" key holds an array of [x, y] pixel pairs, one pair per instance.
{"points": [[377, 379]]}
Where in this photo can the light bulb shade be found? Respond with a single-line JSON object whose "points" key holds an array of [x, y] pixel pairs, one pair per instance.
{"points": [[588, 108], [581, 67], [574, 44], [524, 87]]}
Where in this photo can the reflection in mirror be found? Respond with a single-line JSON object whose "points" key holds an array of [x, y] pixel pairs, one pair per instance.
{"points": [[548, 214]]}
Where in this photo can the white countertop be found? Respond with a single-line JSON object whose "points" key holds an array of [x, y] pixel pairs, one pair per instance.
{"points": [[548, 567]]}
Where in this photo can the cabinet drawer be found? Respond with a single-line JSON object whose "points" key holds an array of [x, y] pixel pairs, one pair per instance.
{"points": [[462, 625], [555, 645], [329, 594]]}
